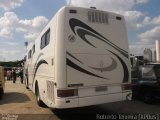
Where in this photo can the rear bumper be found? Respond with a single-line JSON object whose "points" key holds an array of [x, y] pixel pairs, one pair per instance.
{"points": [[91, 100]]}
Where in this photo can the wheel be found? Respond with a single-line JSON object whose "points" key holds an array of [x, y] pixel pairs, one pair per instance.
{"points": [[39, 101], [26, 82], [1, 93], [1, 96], [27, 87], [148, 97]]}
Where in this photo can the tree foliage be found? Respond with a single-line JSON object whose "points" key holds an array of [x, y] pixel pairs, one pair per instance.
{"points": [[17, 63]]}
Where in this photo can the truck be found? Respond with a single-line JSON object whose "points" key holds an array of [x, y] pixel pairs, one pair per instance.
{"points": [[146, 83]]}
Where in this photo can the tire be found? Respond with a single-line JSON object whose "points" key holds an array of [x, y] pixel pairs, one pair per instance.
{"points": [[1, 96], [148, 97], [39, 101], [27, 87], [26, 82], [1, 93]]}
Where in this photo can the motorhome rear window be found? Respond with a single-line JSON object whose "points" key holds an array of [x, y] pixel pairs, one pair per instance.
{"points": [[45, 39]]}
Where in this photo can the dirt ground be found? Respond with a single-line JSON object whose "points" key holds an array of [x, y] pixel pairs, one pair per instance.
{"points": [[19, 100], [19, 103]]}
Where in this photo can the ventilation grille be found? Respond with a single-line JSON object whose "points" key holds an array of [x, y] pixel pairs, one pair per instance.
{"points": [[50, 90], [97, 17]]}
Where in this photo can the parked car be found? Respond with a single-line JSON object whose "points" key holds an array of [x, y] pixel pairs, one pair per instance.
{"points": [[146, 86], [2, 81]]}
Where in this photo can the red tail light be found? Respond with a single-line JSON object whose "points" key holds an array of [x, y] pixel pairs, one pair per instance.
{"points": [[126, 87], [67, 93]]}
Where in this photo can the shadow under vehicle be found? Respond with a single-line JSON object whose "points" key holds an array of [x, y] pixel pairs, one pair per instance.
{"points": [[146, 83]]}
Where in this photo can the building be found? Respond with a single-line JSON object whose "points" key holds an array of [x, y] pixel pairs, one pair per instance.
{"points": [[147, 54]]}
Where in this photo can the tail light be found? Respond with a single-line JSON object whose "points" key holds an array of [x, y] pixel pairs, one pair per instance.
{"points": [[126, 87], [67, 93]]}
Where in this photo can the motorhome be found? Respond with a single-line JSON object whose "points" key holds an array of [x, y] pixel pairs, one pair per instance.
{"points": [[2, 81], [80, 58]]}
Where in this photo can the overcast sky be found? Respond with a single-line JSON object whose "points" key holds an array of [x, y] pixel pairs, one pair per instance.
{"points": [[22, 20]]}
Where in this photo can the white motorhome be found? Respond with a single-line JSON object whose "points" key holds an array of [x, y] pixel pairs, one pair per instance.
{"points": [[80, 59]]}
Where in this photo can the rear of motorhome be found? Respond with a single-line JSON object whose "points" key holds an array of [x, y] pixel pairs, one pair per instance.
{"points": [[80, 59]]}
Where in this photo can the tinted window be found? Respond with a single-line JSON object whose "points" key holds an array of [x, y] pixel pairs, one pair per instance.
{"points": [[33, 49], [157, 71], [29, 54], [148, 72], [43, 42], [45, 39], [25, 59]]}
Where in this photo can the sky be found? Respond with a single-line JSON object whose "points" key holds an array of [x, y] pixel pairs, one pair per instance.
{"points": [[23, 20]]}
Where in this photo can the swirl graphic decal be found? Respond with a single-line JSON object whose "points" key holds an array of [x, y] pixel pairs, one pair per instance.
{"points": [[82, 33], [76, 67], [108, 68], [37, 67], [80, 28]]}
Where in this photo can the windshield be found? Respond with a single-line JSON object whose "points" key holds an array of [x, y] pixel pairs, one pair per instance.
{"points": [[157, 71], [148, 73]]}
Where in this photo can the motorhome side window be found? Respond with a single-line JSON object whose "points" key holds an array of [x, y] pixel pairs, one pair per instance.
{"points": [[45, 39], [29, 54], [33, 49]]}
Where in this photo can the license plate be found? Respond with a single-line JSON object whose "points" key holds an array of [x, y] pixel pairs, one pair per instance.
{"points": [[101, 88]]}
